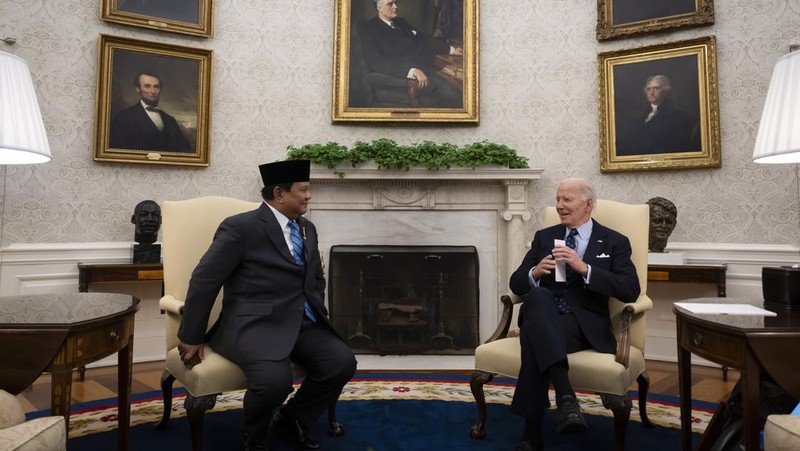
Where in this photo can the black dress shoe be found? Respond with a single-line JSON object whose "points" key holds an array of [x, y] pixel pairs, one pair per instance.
{"points": [[293, 431], [569, 419], [252, 445], [526, 445]]}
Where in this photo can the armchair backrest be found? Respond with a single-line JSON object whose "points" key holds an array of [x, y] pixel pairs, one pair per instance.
{"points": [[188, 227], [632, 221]]}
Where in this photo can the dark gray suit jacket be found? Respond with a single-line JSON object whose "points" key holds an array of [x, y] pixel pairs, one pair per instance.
{"points": [[613, 275], [264, 289]]}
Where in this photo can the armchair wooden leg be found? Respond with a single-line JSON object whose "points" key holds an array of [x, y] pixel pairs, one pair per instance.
{"points": [[196, 409], [644, 387], [621, 406], [476, 383], [335, 429], [167, 379]]}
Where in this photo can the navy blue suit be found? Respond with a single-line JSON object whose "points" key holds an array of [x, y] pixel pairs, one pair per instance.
{"points": [[543, 339]]}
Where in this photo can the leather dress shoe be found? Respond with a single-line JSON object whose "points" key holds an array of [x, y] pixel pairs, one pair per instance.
{"points": [[569, 419], [526, 445], [253, 446], [293, 431]]}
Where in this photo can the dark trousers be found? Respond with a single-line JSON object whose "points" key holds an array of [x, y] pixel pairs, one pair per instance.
{"points": [[439, 93], [546, 337], [329, 363]]}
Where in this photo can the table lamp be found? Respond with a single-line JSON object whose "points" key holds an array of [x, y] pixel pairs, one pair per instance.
{"points": [[22, 136], [778, 141]]}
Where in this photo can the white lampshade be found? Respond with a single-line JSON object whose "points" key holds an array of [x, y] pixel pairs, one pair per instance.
{"points": [[778, 139], [22, 135]]}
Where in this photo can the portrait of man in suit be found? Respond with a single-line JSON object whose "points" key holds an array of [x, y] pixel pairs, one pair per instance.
{"points": [[145, 125], [659, 126], [394, 56]]}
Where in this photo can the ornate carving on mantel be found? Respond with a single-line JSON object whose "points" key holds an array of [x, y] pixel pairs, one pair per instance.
{"points": [[418, 188], [404, 196]]}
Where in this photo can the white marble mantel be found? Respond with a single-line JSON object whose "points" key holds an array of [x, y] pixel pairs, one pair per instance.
{"points": [[484, 207]]}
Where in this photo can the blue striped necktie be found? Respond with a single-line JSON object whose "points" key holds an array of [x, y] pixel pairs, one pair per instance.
{"points": [[563, 307], [299, 257]]}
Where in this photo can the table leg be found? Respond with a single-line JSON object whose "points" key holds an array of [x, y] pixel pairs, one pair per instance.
{"points": [[61, 393], [125, 367], [750, 403], [685, 390]]}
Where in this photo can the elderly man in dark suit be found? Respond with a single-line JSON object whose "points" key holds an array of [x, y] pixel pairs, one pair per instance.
{"points": [[559, 317], [273, 310], [144, 125], [392, 46]]}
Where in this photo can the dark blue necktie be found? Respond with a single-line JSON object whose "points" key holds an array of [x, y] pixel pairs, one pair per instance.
{"points": [[563, 307], [299, 257]]}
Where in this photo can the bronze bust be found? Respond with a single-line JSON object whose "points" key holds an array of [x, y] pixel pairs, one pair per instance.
{"points": [[147, 219], [663, 218]]}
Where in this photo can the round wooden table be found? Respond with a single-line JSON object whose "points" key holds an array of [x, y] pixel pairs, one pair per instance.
{"points": [[60, 332]]}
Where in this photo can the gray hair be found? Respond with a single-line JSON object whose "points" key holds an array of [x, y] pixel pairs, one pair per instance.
{"points": [[587, 189], [660, 80]]}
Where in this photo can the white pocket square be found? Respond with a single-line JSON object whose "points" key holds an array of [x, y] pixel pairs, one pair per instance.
{"points": [[603, 255]]}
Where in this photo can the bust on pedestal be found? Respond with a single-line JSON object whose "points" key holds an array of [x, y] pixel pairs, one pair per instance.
{"points": [[663, 218], [147, 218]]}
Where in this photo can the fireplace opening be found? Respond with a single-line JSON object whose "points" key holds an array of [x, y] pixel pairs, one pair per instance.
{"points": [[405, 299]]}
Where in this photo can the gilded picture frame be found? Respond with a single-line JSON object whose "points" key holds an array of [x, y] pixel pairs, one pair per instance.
{"points": [[373, 69], [659, 107], [193, 17], [172, 82], [626, 18]]}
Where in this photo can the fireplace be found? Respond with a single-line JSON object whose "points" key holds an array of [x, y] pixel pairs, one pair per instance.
{"points": [[485, 208], [405, 299]]}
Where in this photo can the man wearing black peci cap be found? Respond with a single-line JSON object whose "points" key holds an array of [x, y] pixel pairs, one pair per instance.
{"points": [[273, 310]]}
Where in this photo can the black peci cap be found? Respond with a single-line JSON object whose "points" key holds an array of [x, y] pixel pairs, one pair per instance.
{"points": [[289, 171]]}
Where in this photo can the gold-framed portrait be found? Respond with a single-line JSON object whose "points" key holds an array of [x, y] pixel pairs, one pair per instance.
{"points": [[153, 103], [625, 18], [659, 107], [194, 17], [414, 61]]}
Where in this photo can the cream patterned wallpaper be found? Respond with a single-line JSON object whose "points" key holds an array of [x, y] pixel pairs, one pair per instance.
{"points": [[272, 88]]}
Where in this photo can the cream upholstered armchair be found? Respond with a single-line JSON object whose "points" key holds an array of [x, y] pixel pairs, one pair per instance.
{"points": [[609, 375], [40, 434], [187, 230]]}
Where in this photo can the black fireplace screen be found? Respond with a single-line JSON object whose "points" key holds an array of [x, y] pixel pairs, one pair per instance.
{"points": [[405, 299]]}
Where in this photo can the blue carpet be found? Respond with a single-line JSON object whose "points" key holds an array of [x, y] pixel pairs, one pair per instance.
{"points": [[394, 424]]}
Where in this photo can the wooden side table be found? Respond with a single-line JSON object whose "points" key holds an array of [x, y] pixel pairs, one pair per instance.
{"points": [[749, 343], [714, 274], [89, 273], [59, 332]]}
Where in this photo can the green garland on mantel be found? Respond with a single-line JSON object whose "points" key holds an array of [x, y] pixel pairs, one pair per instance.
{"points": [[389, 155]]}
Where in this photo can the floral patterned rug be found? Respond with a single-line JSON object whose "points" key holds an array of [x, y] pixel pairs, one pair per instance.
{"points": [[101, 416]]}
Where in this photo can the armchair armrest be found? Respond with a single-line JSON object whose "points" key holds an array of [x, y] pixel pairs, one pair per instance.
{"points": [[171, 305], [629, 310], [173, 308], [508, 301]]}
